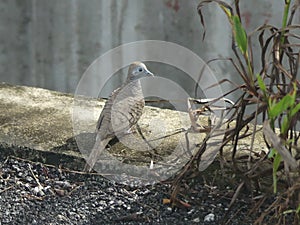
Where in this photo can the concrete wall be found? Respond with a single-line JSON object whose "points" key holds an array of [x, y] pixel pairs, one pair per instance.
{"points": [[51, 43]]}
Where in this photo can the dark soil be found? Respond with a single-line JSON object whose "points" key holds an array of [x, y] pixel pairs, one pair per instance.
{"points": [[33, 193]]}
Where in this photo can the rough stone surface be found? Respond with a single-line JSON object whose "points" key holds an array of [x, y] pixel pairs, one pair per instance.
{"points": [[33, 193], [49, 122]]}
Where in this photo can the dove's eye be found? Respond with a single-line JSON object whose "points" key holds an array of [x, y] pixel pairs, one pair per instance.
{"points": [[140, 69]]}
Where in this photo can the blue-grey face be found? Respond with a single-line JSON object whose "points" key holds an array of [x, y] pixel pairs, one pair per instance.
{"points": [[138, 70]]}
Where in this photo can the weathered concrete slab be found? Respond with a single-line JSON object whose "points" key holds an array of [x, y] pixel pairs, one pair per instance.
{"points": [[34, 117], [47, 126], [41, 120]]}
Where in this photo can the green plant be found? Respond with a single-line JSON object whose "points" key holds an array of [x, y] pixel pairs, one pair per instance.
{"points": [[273, 88], [285, 107]]}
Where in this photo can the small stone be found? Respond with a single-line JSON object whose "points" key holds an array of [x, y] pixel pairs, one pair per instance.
{"points": [[209, 218], [196, 220]]}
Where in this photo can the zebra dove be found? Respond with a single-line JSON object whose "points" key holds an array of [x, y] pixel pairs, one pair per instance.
{"points": [[121, 111]]}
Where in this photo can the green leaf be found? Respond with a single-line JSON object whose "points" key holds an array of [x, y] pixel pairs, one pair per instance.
{"points": [[276, 163], [281, 106], [289, 211], [271, 153], [295, 109], [227, 11], [298, 209], [240, 34], [270, 105], [261, 83], [285, 125]]}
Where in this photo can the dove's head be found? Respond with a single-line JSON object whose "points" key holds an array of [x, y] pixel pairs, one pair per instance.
{"points": [[138, 70]]}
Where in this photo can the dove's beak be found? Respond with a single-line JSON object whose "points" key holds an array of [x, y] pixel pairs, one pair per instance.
{"points": [[148, 73]]}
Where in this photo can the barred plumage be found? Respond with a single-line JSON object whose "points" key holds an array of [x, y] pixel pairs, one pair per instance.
{"points": [[121, 111]]}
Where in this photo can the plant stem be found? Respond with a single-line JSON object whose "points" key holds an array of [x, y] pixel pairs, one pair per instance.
{"points": [[251, 75], [285, 18]]}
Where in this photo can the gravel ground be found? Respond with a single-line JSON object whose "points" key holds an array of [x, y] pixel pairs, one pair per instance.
{"points": [[33, 193]]}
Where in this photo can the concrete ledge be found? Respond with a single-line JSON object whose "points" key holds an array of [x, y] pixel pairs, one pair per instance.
{"points": [[39, 122], [34, 117], [36, 124]]}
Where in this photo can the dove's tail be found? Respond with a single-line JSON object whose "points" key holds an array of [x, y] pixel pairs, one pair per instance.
{"points": [[98, 148]]}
